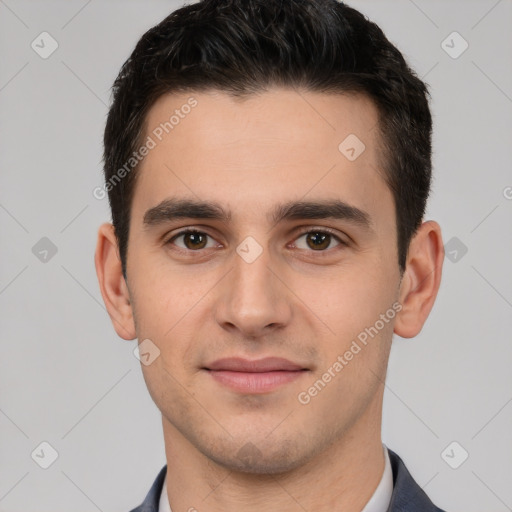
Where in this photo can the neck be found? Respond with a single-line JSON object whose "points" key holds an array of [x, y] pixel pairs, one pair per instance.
{"points": [[343, 476]]}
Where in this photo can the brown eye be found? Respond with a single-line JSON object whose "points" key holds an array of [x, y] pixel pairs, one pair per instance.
{"points": [[194, 240], [191, 240], [317, 240]]}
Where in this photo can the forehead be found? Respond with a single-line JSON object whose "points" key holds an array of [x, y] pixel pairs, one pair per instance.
{"points": [[288, 116], [254, 152]]}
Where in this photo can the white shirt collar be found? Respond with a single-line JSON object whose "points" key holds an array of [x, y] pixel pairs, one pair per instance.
{"points": [[379, 502], [163, 504]]}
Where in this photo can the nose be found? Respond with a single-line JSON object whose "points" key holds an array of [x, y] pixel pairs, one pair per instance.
{"points": [[253, 299]]}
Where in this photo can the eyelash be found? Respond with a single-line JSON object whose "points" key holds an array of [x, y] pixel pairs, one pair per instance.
{"points": [[323, 230]]}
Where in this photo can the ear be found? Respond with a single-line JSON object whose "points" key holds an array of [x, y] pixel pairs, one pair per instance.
{"points": [[421, 279], [112, 283]]}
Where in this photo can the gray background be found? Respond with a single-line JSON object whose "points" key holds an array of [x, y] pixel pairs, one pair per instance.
{"points": [[67, 379]]}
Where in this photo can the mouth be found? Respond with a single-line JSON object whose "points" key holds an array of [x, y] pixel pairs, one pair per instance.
{"points": [[254, 376]]}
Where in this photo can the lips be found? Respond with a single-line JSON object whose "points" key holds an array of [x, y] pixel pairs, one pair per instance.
{"points": [[254, 376], [268, 364]]}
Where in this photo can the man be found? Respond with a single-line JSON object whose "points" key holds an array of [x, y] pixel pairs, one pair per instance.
{"points": [[268, 165]]}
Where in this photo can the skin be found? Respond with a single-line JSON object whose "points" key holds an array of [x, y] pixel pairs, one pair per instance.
{"points": [[294, 301]]}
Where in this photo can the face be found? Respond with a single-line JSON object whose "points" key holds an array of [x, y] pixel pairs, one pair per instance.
{"points": [[261, 254]]}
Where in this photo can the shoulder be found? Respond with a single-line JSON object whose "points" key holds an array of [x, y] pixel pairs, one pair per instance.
{"points": [[407, 494], [150, 503]]}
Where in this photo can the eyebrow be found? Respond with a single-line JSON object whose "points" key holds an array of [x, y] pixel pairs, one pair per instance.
{"points": [[174, 208]]}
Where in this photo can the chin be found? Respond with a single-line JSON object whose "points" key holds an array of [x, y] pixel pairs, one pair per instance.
{"points": [[259, 458]]}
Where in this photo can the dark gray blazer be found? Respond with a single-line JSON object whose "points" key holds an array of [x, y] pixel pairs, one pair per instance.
{"points": [[407, 494]]}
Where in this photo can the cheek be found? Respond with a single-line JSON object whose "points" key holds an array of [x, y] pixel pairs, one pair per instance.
{"points": [[349, 299], [164, 296], [170, 308]]}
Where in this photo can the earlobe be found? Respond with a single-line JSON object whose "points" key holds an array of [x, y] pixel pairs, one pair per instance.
{"points": [[112, 283], [421, 279]]}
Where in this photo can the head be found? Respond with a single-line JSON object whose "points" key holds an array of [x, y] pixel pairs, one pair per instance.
{"points": [[243, 48], [244, 109]]}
